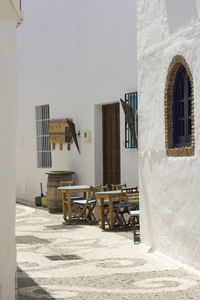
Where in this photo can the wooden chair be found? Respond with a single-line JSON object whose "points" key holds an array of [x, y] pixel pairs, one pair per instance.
{"points": [[134, 214], [129, 201], [102, 188], [117, 187], [96, 189], [86, 207]]}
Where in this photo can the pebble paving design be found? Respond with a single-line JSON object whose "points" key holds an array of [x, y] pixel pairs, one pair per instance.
{"points": [[109, 265]]}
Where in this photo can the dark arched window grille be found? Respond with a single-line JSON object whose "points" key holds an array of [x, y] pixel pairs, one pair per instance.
{"points": [[182, 109]]}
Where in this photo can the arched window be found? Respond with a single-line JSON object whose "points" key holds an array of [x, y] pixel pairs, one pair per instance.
{"points": [[182, 109], [179, 109]]}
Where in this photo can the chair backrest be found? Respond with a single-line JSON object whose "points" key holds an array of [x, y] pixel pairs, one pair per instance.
{"points": [[116, 187], [98, 188], [131, 194]]}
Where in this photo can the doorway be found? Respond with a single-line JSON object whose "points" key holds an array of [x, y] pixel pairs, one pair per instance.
{"points": [[111, 144]]}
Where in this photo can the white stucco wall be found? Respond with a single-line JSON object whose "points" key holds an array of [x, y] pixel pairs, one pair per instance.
{"points": [[169, 186], [8, 94], [76, 56], [10, 10]]}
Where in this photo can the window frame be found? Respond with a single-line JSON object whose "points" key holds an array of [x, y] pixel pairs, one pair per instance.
{"points": [[171, 149]]}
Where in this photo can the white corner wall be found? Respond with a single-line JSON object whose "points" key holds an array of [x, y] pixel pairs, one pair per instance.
{"points": [[169, 186], [77, 55], [8, 92]]}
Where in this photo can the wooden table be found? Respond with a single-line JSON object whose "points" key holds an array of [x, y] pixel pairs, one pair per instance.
{"points": [[110, 195], [67, 191]]}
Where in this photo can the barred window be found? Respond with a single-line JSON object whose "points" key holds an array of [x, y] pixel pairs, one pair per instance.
{"points": [[42, 127], [132, 100]]}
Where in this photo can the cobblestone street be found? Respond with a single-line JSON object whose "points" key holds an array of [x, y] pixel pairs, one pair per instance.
{"points": [[57, 261]]}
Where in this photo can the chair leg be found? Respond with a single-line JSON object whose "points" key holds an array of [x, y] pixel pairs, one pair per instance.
{"points": [[90, 212], [82, 213], [116, 217], [135, 224], [122, 217], [106, 210]]}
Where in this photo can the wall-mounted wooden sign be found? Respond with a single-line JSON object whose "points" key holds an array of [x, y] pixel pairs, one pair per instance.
{"points": [[60, 133]]}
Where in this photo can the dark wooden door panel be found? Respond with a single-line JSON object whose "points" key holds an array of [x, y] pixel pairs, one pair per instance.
{"points": [[111, 144]]}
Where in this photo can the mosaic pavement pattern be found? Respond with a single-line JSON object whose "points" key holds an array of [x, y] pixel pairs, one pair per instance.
{"points": [[82, 262]]}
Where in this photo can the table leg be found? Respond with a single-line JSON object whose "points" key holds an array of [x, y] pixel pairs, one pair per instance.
{"points": [[69, 204], [102, 213], [64, 205], [111, 213]]}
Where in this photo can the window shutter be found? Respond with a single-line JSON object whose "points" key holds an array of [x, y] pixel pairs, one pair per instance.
{"points": [[132, 100]]}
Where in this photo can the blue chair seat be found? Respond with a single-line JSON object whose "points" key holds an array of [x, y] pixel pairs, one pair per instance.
{"points": [[134, 213], [84, 202], [106, 204], [73, 198]]}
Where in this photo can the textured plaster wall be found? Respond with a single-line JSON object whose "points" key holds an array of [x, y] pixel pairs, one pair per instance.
{"points": [[76, 56], [8, 94], [169, 186]]}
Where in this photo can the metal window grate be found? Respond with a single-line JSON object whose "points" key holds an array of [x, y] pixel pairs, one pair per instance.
{"points": [[42, 130], [132, 100]]}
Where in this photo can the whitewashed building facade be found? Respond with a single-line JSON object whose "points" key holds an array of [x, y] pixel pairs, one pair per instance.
{"points": [[77, 58], [10, 16], [169, 126]]}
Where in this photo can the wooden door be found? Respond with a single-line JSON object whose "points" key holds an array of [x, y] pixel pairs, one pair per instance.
{"points": [[111, 144]]}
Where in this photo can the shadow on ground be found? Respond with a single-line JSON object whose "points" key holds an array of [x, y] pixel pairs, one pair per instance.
{"points": [[28, 289]]}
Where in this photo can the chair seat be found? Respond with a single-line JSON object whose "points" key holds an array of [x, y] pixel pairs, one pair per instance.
{"points": [[84, 202], [134, 213]]}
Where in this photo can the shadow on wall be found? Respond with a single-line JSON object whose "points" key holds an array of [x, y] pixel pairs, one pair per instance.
{"points": [[180, 14], [27, 288]]}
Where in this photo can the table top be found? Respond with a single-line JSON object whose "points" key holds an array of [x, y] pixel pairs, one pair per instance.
{"points": [[118, 192], [73, 187]]}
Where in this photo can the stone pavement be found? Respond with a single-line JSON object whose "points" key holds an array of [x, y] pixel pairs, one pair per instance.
{"points": [[82, 262]]}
